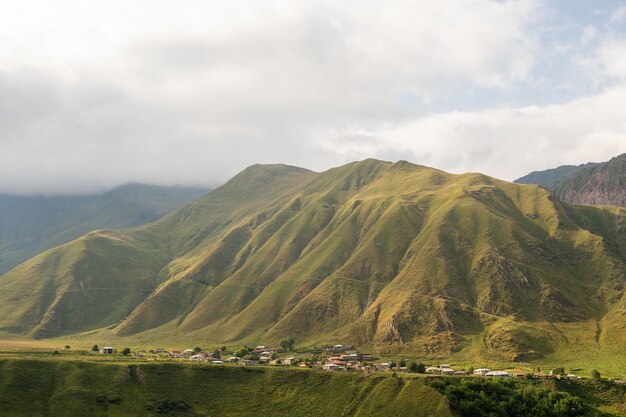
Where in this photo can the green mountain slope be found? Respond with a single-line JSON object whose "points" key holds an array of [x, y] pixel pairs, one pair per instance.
{"points": [[549, 178], [395, 256], [30, 225], [603, 184]]}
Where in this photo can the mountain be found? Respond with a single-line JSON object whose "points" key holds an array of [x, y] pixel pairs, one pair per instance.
{"points": [[395, 256], [551, 177], [32, 224], [602, 184]]}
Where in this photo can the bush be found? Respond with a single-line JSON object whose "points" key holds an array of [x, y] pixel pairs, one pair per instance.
{"points": [[126, 351], [165, 406], [95, 348], [479, 397], [419, 368], [67, 347], [197, 349], [596, 375]]}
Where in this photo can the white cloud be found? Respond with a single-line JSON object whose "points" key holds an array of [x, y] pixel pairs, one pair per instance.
{"points": [[618, 15], [506, 143], [612, 57], [97, 93], [93, 94]]}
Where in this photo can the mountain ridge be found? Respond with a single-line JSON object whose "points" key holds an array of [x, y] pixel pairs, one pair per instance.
{"points": [[369, 253], [32, 224]]}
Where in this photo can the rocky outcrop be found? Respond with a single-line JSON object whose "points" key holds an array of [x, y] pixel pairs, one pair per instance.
{"points": [[603, 184]]}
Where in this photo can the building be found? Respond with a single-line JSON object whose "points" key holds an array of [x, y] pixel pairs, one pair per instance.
{"points": [[498, 374], [481, 371], [331, 367], [197, 358], [107, 350]]}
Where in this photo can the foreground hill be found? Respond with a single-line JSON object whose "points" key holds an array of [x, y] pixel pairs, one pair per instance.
{"points": [[603, 184], [30, 225], [372, 253], [67, 389], [549, 178]]}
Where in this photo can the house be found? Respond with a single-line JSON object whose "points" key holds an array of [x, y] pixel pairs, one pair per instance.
{"points": [[385, 366], [447, 371], [498, 374], [233, 359], [217, 362], [248, 362], [197, 358], [107, 350], [433, 370], [290, 361], [481, 371], [331, 367], [574, 377], [188, 352]]}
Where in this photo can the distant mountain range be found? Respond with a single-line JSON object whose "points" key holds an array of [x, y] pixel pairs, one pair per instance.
{"points": [[32, 224], [549, 178], [390, 255], [590, 184]]}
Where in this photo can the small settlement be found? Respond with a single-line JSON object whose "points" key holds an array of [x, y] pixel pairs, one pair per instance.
{"points": [[328, 358]]}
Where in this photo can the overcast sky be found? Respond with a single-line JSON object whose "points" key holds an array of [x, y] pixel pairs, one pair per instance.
{"points": [[97, 93]]}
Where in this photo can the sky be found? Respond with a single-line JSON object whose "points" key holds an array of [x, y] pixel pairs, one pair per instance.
{"points": [[94, 94]]}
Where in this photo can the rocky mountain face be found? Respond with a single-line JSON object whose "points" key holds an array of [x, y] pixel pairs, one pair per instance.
{"points": [[602, 184], [371, 253]]}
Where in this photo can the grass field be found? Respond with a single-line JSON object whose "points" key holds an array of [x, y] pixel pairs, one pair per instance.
{"points": [[38, 383]]}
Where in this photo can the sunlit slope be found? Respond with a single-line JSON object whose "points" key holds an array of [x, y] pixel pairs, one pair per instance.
{"points": [[369, 253]]}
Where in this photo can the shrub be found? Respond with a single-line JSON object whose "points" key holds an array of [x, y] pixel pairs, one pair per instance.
{"points": [[596, 375], [165, 406], [95, 348], [478, 397], [126, 351]]}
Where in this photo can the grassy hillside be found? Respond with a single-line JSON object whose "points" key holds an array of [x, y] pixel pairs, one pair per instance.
{"points": [[55, 386], [71, 388], [30, 225], [549, 178], [397, 257], [602, 184]]}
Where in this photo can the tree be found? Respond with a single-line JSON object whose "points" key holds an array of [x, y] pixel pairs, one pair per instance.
{"points": [[241, 352], [197, 349], [95, 348], [421, 368], [217, 354], [67, 347], [413, 367], [596, 375], [287, 343], [402, 363], [274, 355], [558, 371], [126, 351]]}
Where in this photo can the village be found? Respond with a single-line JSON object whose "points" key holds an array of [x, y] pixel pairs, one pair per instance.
{"points": [[337, 358]]}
